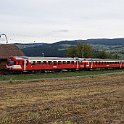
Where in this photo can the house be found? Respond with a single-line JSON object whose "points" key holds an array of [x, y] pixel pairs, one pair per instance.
{"points": [[7, 50]]}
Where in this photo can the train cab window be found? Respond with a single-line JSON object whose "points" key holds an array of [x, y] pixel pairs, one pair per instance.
{"points": [[59, 62], [50, 62], [68, 62], [38, 62], [11, 62], [72, 62], [44, 62], [54, 62]]}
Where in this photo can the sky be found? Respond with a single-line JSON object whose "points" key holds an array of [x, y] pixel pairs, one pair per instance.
{"points": [[56, 20]]}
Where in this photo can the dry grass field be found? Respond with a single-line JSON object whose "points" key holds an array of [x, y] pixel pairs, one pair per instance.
{"points": [[76, 100]]}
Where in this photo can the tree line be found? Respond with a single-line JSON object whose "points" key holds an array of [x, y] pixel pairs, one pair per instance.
{"points": [[83, 50]]}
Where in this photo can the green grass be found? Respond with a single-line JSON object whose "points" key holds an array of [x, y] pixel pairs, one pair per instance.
{"points": [[11, 78]]}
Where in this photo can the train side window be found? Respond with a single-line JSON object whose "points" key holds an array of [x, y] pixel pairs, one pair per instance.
{"points": [[54, 62], [68, 62], [44, 62], [33, 63], [72, 62], [38, 62], [59, 62], [64, 62], [50, 62]]}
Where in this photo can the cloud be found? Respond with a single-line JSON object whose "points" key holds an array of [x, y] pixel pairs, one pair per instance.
{"points": [[61, 19], [61, 31]]}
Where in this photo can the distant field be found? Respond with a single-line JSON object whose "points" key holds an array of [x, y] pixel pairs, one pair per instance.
{"points": [[12, 78], [76, 100]]}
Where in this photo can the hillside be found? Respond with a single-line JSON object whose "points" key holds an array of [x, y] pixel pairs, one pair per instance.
{"points": [[59, 48]]}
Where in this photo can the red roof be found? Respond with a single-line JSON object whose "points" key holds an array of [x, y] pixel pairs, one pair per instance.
{"points": [[9, 50]]}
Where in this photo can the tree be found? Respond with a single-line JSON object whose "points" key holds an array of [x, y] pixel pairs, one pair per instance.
{"points": [[80, 50], [102, 54], [105, 55], [71, 52]]}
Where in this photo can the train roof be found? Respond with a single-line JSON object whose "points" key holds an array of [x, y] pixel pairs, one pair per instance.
{"points": [[97, 59], [63, 59], [46, 58], [53, 59]]}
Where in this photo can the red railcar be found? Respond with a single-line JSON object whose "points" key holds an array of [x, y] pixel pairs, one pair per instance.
{"points": [[43, 63], [104, 63], [25, 64]]}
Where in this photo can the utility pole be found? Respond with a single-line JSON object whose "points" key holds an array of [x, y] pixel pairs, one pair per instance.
{"points": [[43, 54]]}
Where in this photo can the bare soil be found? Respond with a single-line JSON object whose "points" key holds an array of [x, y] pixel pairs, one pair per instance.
{"points": [[77, 100]]}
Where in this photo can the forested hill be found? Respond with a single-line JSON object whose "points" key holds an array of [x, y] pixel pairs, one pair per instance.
{"points": [[59, 48], [116, 41]]}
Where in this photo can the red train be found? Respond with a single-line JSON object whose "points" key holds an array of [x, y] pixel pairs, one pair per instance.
{"points": [[27, 64]]}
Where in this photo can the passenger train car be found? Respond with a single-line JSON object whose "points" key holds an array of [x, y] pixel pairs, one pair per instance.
{"points": [[30, 64]]}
